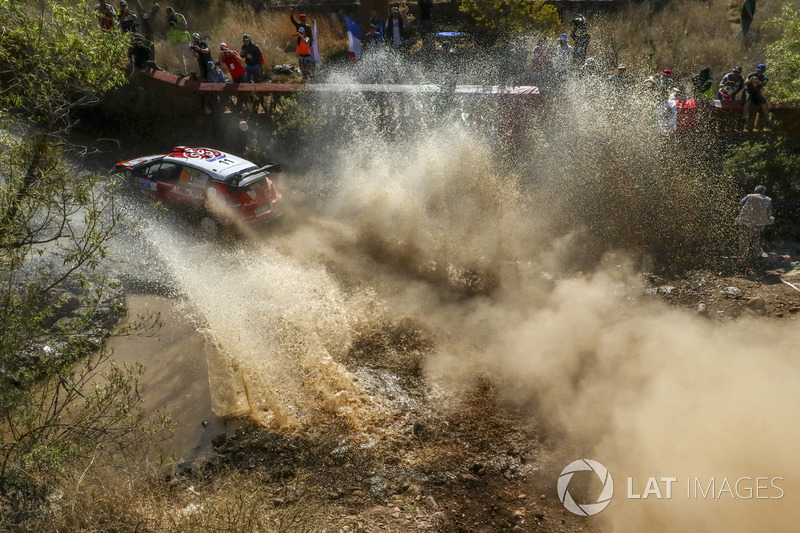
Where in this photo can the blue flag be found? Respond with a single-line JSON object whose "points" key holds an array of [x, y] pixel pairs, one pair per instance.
{"points": [[353, 37]]}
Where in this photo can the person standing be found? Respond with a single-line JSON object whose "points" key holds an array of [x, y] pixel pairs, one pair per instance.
{"points": [[732, 83], [203, 54], [394, 27], [179, 37], [562, 58], [127, 18], [753, 85], [581, 38], [755, 214], [253, 58], [747, 15], [233, 61], [301, 24], [105, 15], [303, 53]]}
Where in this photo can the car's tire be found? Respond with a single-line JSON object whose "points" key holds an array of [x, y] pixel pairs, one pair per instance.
{"points": [[209, 226]]}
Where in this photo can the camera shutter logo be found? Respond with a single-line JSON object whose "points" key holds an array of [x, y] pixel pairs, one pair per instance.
{"points": [[585, 509]]}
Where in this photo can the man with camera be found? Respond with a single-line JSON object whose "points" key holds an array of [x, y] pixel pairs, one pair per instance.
{"points": [[202, 53], [753, 85]]}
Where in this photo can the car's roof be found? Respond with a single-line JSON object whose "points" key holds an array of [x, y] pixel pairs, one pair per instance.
{"points": [[219, 164]]}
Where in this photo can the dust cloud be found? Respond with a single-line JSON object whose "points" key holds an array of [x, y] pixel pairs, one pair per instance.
{"points": [[526, 269]]}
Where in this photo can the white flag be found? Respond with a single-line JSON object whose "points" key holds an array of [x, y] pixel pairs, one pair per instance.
{"points": [[315, 45]]}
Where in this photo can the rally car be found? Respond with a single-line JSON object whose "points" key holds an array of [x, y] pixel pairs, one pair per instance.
{"points": [[217, 189]]}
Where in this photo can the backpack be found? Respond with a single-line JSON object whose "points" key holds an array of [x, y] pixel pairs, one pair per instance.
{"points": [[263, 59]]}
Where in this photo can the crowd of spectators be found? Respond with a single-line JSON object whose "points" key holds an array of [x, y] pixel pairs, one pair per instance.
{"points": [[549, 66]]}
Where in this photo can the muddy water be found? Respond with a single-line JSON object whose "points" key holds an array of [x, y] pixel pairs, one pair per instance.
{"points": [[176, 373]]}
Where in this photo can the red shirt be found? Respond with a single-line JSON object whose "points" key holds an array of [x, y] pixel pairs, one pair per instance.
{"points": [[231, 60]]}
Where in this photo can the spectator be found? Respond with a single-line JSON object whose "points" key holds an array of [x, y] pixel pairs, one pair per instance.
{"points": [[753, 85], [302, 24], [127, 18], [179, 37], [203, 54], [589, 68], [215, 74], [581, 38], [562, 57], [426, 24], [105, 15], [303, 53], [666, 83], [755, 215], [731, 84], [146, 21], [394, 27], [232, 60], [141, 55], [703, 85], [541, 61], [376, 26], [748, 13], [621, 82], [252, 55]]}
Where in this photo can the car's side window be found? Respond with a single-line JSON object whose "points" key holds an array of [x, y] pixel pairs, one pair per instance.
{"points": [[167, 173], [194, 177], [150, 171]]}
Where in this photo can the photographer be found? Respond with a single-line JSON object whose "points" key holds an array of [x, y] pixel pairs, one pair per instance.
{"points": [[581, 38], [753, 85], [202, 53]]}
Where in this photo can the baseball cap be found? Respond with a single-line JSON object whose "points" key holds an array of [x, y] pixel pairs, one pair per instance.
{"points": [[223, 46], [245, 37], [195, 36], [736, 69], [761, 66], [622, 66], [302, 15], [667, 71], [562, 37], [210, 64]]}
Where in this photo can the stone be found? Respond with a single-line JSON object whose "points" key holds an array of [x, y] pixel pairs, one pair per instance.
{"points": [[757, 304]]}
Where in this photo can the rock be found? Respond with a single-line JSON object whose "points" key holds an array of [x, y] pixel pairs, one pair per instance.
{"points": [[733, 292], [702, 310], [757, 304], [430, 501], [205, 423], [418, 427], [467, 477]]}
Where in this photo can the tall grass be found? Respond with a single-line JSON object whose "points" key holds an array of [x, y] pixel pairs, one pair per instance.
{"points": [[685, 36]]}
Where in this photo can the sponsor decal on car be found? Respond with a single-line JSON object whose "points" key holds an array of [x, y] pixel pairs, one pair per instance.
{"points": [[147, 184]]}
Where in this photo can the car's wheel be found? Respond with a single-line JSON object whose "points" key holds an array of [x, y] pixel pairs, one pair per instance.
{"points": [[209, 226]]}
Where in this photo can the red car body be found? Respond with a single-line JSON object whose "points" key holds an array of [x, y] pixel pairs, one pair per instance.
{"points": [[220, 189]]}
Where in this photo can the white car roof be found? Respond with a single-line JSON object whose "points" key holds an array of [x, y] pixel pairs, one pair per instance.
{"points": [[219, 164]]}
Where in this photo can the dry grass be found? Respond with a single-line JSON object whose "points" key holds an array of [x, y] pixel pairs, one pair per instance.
{"points": [[685, 36]]}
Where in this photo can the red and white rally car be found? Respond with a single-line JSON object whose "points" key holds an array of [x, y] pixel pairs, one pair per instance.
{"points": [[218, 189]]}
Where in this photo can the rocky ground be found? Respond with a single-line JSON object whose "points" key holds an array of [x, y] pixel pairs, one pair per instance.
{"points": [[485, 467]]}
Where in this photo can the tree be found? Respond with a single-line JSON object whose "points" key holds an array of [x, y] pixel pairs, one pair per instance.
{"points": [[60, 399], [512, 16], [783, 57]]}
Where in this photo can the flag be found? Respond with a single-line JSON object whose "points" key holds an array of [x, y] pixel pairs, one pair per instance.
{"points": [[314, 45], [353, 37]]}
